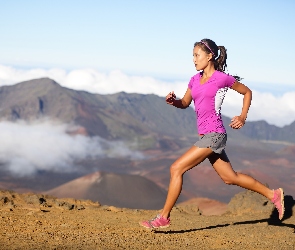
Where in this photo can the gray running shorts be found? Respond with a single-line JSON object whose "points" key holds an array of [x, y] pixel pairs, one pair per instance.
{"points": [[215, 141]]}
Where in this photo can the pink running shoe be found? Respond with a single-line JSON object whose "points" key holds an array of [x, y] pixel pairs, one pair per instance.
{"points": [[278, 201], [157, 222]]}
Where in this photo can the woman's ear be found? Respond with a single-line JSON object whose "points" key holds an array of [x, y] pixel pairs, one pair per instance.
{"points": [[210, 57]]}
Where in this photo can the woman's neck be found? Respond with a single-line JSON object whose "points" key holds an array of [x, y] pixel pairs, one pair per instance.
{"points": [[208, 71]]}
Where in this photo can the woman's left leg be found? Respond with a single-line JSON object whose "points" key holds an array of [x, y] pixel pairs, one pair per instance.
{"points": [[223, 167]]}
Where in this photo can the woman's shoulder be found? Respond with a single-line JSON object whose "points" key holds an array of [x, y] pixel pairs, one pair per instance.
{"points": [[196, 76], [224, 79], [222, 74], [194, 79]]}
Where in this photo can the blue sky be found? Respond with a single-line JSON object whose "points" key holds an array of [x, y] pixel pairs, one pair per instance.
{"points": [[150, 41]]}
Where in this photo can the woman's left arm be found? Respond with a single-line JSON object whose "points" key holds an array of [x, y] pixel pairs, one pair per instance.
{"points": [[238, 122]]}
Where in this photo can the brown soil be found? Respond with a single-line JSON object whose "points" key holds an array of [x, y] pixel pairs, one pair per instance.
{"points": [[30, 221]]}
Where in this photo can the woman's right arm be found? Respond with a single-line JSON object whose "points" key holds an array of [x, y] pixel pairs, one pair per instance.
{"points": [[179, 103]]}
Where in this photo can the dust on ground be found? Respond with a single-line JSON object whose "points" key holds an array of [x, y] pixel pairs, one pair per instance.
{"points": [[31, 221]]}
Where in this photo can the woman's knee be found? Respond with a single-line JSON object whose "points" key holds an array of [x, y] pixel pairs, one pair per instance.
{"points": [[230, 180], [176, 169]]}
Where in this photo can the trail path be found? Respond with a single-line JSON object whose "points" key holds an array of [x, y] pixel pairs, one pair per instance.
{"points": [[33, 222]]}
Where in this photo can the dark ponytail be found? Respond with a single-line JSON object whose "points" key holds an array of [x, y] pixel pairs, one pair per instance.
{"points": [[220, 61], [210, 46]]}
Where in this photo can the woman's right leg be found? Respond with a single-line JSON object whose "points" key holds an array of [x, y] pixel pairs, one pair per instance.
{"points": [[188, 160]]}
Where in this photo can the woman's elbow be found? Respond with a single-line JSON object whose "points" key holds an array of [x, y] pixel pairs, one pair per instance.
{"points": [[249, 93]]}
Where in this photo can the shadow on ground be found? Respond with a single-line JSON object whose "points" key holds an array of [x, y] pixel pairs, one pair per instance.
{"points": [[272, 220]]}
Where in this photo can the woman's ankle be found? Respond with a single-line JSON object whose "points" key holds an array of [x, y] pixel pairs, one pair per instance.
{"points": [[165, 215]]}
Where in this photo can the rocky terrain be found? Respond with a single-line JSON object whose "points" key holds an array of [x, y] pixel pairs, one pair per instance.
{"points": [[110, 193], [36, 221]]}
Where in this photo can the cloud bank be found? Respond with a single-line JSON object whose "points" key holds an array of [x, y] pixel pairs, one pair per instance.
{"points": [[277, 110], [29, 147]]}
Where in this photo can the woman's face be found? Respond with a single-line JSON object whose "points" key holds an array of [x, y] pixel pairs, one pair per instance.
{"points": [[200, 58]]}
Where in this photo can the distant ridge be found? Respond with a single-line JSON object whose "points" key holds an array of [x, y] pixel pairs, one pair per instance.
{"points": [[144, 118], [147, 124]]}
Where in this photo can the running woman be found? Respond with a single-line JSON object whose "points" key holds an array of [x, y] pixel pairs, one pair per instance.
{"points": [[207, 89]]}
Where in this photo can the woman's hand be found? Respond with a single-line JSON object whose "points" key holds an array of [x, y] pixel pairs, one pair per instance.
{"points": [[179, 103], [170, 98], [237, 122]]}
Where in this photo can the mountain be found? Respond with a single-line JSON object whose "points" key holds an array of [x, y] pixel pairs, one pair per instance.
{"points": [[264, 131], [118, 116], [129, 191], [144, 123]]}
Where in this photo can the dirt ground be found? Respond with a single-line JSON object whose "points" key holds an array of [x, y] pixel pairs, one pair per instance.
{"points": [[39, 222]]}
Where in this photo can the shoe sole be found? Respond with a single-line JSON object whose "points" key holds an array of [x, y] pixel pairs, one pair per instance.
{"points": [[153, 228], [282, 203]]}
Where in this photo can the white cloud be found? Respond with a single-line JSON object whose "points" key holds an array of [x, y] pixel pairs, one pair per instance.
{"points": [[28, 147], [277, 110], [93, 81]]}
